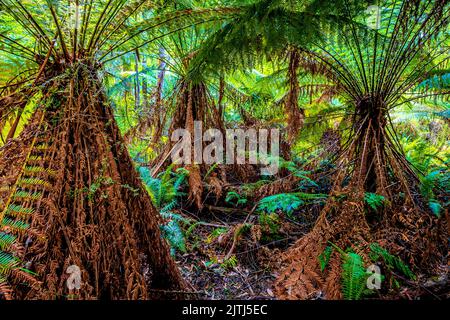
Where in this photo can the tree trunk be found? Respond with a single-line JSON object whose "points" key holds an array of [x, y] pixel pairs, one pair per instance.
{"points": [[93, 212]]}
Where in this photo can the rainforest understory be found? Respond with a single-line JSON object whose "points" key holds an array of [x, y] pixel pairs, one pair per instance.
{"points": [[350, 100]]}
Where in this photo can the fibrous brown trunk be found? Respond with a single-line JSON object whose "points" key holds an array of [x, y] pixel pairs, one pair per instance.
{"points": [[295, 115], [93, 211]]}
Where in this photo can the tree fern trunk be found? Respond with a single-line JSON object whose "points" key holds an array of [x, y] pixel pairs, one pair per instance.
{"points": [[96, 215]]}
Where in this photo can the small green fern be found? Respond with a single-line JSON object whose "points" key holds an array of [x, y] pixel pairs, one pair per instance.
{"points": [[163, 192], [288, 202], [165, 188], [373, 200], [174, 234], [354, 275], [7, 262], [235, 199]]}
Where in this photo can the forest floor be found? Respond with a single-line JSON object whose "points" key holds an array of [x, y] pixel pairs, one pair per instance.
{"points": [[217, 270], [246, 271]]}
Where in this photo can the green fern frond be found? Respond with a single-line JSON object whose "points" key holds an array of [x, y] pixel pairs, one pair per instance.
{"points": [[17, 210], [164, 189], [169, 207], [6, 240], [392, 262], [373, 200], [7, 262], [324, 257], [354, 276], [27, 195], [284, 202], [36, 169], [14, 225], [288, 202], [34, 182], [235, 198], [174, 234]]}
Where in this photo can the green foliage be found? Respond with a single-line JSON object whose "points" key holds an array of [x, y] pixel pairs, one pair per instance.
{"points": [[15, 225], [354, 276], [284, 202], [34, 182], [324, 257], [432, 164], [435, 207], [7, 262], [6, 240], [249, 188], [235, 198], [270, 225], [137, 43], [297, 171], [288, 202], [373, 200], [27, 195], [164, 191], [174, 234], [391, 261], [215, 234], [229, 263], [16, 210], [435, 180]]}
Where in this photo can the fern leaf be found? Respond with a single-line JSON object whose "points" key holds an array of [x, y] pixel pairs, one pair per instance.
{"points": [[391, 261], [354, 276]]}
